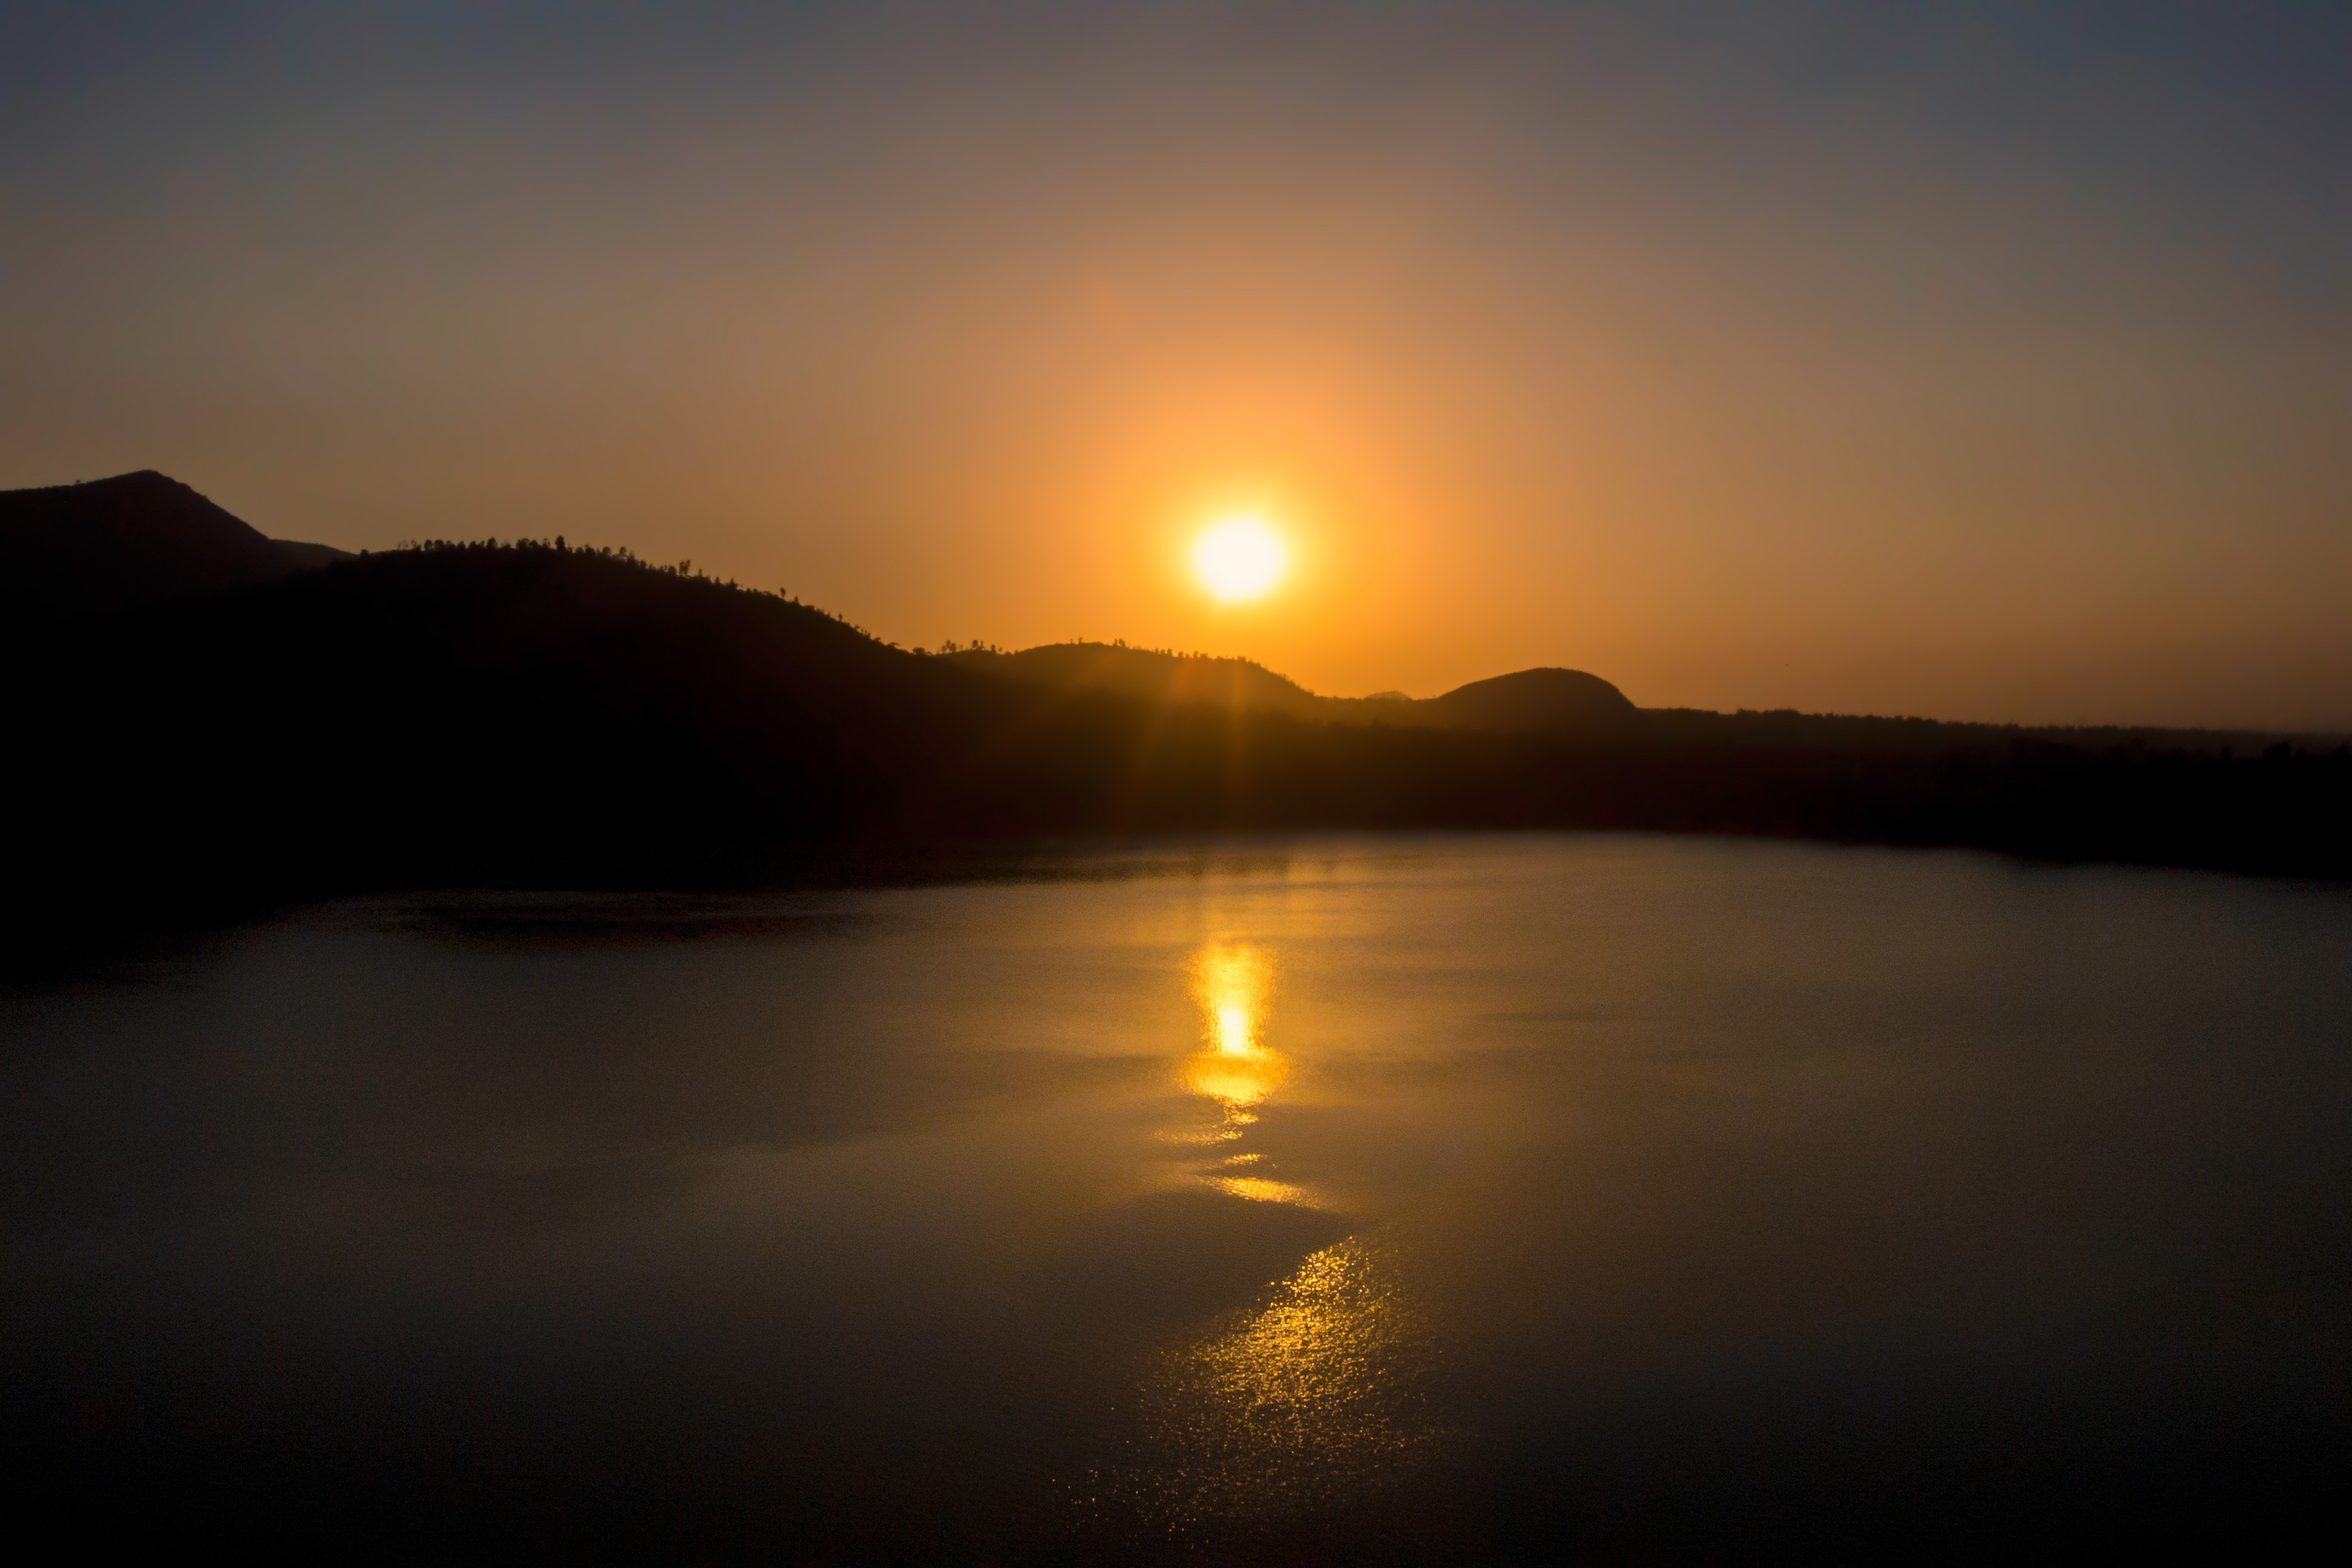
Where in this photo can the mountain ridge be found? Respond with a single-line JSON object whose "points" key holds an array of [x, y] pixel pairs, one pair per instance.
{"points": [[104, 547], [1526, 701], [535, 714]]}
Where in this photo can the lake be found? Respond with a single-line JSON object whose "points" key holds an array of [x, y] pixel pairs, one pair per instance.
{"points": [[1514, 1197]]}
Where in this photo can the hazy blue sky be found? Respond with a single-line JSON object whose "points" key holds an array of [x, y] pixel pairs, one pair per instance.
{"points": [[1983, 361]]}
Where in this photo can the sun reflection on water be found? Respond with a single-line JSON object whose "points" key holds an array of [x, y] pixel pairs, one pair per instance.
{"points": [[1321, 1398], [1234, 985], [1318, 1360], [1317, 1395]]}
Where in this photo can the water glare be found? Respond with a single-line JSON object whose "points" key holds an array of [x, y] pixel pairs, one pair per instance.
{"points": [[1233, 986], [1318, 1393], [1306, 1405]]}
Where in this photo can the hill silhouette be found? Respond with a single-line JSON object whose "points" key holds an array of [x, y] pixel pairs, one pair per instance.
{"points": [[1153, 675], [1534, 701], [77, 552], [536, 713], [1530, 701]]}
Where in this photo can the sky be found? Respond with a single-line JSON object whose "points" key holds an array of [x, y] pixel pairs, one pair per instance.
{"points": [[1974, 360]]}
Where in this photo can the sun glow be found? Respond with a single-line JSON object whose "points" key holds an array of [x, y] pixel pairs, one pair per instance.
{"points": [[1239, 558]]}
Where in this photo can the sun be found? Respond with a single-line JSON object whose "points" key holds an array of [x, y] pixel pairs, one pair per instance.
{"points": [[1239, 558]]}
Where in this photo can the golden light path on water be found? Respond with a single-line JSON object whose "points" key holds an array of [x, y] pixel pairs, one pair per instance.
{"points": [[1233, 986], [1317, 1397]]}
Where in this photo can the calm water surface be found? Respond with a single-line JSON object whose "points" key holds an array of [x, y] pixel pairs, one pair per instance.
{"points": [[1505, 1197]]}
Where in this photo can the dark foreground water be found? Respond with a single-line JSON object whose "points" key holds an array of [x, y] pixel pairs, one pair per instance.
{"points": [[1457, 1198]]}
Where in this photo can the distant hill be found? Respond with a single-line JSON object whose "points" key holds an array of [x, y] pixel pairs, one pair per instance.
{"points": [[1536, 700], [1152, 675], [536, 714], [1532, 701], [73, 553]]}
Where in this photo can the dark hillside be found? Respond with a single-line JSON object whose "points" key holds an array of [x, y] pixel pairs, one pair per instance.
{"points": [[458, 712], [534, 714], [82, 552]]}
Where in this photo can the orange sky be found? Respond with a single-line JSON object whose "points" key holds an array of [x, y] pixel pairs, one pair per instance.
{"points": [[1820, 364]]}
